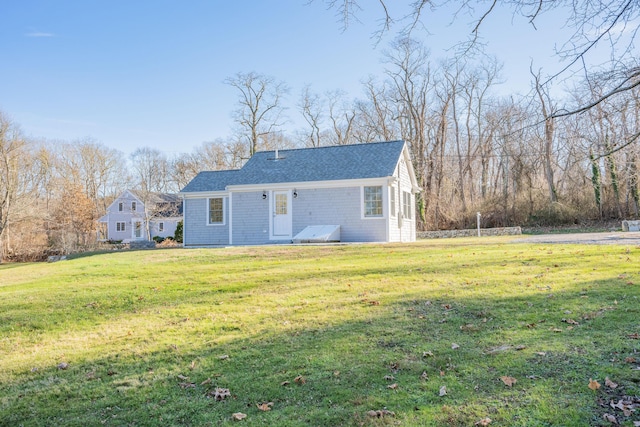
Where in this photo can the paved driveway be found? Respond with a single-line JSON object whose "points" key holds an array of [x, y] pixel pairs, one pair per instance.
{"points": [[606, 238]]}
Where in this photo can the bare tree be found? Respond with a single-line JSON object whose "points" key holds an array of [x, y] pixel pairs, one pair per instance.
{"points": [[604, 25], [311, 106], [260, 109]]}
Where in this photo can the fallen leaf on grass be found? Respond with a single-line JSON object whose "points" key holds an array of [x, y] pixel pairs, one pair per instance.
{"points": [[520, 347], [446, 306], [610, 383], [593, 384], [630, 360], [389, 377], [207, 381], [427, 354], [424, 375], [455, 346], [443, 390], [570, 321], [610, 418], [300, 379], [219, 393], [223, 357], [265, 406], [508, 381], [285, 383], [626, 406], [182, 377], [187, 385], [634, 336], [556, 330], [63, 366], [483, 422], [238, 416], [380, 413], [541, 353], [393, 386]]}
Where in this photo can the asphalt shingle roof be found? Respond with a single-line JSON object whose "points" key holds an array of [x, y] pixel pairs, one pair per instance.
{"points": [[373, 160]]}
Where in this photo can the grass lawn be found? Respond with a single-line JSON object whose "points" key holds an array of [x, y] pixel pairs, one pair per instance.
{"points": [[458, 332]]}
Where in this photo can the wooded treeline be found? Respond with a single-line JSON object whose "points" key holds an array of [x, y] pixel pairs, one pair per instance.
{"points": [[516, 159]]}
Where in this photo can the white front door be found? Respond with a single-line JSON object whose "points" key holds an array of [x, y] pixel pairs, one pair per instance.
{"points": [[281, 224], [137, 229]]}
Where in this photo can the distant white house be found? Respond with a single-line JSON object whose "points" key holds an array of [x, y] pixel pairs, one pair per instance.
{"points": [[128, 218], [349, 193]]}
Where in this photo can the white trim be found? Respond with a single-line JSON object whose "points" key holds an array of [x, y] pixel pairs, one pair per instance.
{"points": [[230, 207], [311, 184], [224, 216]]}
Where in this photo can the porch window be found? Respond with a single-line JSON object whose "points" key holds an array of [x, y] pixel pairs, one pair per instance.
{"points": [[120, 226], [216, 211], [373, 201], [406, 204]]}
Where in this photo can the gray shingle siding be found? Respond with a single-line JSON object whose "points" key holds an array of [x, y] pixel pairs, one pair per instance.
{"points": [[196, 230], [250, 219]]}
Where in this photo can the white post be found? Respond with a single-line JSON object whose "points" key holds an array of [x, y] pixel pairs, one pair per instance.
{"points": [[478, 216]]}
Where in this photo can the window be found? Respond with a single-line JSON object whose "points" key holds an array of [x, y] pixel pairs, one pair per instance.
{"points": [[160, 227], [216, 211], [406, 204], [392, 193], [373, 201], [281, 204], [120, 207], [133, 206], [120, 226]]}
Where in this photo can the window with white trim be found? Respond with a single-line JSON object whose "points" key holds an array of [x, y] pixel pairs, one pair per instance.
{"points": [[160, 227], [406, 204], [120, 206], [215, 211], [373, 201], [120, 226], [134, 205]]}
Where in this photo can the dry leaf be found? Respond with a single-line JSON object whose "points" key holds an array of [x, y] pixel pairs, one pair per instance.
{"points": [[446, 306], [483, 422], [610, 418], [265, 406], [223, 357], [219, 393], [508, 381], [630, 360], [634, 336], [393, 386], [193, 365], [443, 390], [187, 385], [205, 382], [285, 383], [520, 347], [381, 413], [455, 346], [541, 353], [63, 366], [610, 383], [300, 379], [424, 375], [389, 377], [427, 354], [593, 384], [238, 416], [183, 378], [556, 330], [570, 321]]}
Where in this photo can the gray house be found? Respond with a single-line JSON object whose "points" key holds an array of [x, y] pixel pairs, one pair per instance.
{"points": [[348, 193]]}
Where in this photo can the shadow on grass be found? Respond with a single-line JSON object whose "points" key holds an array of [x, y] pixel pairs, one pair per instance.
{"points": [[335, 371]]}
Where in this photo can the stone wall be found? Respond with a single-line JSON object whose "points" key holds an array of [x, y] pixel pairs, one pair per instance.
{"points": [[443, 234]]}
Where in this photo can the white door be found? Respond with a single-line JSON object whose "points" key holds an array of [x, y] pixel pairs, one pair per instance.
{"points": [[281, 209], [137, 229]]}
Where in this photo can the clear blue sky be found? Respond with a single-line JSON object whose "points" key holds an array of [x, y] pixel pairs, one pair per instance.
{"points": [[149, 73]]}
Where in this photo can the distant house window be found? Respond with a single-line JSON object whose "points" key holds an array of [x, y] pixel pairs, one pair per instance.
{"points": [[216, 211], [161, 227], [120, 226], [406, 204], [133, 206], [373, 201], [120, 207], [392, 193]]}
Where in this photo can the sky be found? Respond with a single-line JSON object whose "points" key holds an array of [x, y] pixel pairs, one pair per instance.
{"points": [[150, 73]]}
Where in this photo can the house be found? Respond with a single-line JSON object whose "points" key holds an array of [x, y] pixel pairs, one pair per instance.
{"points": [[348, 193], [134, 216]]}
